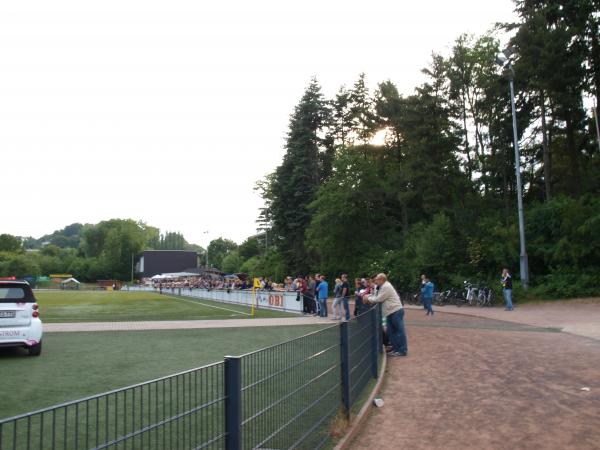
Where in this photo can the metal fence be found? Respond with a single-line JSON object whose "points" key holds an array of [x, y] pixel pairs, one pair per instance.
{"points": [[275, 300], [281, 397]]}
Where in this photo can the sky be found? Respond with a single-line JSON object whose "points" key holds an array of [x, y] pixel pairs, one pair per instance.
{"points": [[169, 112]]}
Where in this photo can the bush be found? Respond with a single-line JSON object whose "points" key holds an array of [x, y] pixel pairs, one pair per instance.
{"points": [[566, 285]]}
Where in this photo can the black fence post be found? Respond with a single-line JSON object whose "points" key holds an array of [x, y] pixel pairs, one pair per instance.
{"points": [[345, 359], [380, 328], [375, 338], [233, 402]]}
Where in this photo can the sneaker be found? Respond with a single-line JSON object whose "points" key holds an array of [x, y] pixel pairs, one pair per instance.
{"points": [[396, 354]]}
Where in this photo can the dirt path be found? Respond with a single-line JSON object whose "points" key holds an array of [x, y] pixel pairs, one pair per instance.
{"points": [[476, 383], [181, 324]]}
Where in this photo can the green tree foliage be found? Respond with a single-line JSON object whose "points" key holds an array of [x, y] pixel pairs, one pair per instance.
{"points": [[249, 248], [218, 249], [232, 262], [439, 196], [22, 265], [67, 237], [171, 241], [296, 180], [10, 243], [89, 252], [559, 62], [113, 243]]}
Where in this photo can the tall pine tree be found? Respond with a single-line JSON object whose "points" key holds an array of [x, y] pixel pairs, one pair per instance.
{"points": [[296, 180]]}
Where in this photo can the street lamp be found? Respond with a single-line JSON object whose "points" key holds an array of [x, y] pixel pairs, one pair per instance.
{"points": [[503, 60]]}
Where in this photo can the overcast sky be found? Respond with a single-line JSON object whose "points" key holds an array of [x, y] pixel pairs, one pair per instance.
{"points": [[168, 112]]}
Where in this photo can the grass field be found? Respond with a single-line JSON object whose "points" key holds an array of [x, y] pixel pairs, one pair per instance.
{"points": [[74, 365], [119, 306]]}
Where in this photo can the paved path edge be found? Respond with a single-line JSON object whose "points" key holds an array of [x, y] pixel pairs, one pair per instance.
{"points": [[345, 442]]}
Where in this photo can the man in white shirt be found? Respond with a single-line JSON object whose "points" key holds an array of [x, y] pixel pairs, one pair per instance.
{"points": [[394, 313]]}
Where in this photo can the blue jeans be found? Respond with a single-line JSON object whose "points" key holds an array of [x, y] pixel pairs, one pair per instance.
{"points": [[323, 307], [508, 298], [427, 304], [336, 307], [396, 331], [346, 307]]}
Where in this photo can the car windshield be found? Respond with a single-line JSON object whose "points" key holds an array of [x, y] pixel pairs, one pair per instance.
{"points": [[15, 294]]}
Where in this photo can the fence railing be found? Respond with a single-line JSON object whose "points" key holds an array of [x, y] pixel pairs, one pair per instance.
{"points": [[275, 300], [281, 397]]}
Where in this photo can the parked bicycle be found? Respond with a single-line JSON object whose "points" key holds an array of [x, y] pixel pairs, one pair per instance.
{"points": [[485, 297]]}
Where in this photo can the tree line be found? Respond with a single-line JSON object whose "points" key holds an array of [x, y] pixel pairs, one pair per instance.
{"points": [[89, 252], [439, 196], [104, 251]]}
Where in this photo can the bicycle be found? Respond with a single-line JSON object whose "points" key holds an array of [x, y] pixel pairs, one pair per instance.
{"points": [[485, 297], [453, 297], [471, 293]]}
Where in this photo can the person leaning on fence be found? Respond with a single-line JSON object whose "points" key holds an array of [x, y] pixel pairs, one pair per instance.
{"points": [[346, 296], [393, 312], [359, 290], [302, 289]]}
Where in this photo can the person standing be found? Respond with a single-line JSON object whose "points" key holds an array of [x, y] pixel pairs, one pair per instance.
{"points": [[322, 294], [507, 286], [310, 295], [393, 312], [337, 300], [427, 288], [346, 296], [302, 289]]}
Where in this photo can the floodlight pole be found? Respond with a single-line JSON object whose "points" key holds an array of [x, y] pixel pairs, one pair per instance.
{"points": [[206, 232], [523, 260]]}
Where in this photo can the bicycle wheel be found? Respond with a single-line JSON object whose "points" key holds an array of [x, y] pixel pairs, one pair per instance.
{"points": [[481, 298], [491, 298]]}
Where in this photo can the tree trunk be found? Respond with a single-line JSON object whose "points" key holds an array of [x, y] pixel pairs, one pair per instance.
{"points": [[595, 56], [574, 169], [467, 150], [546, 151]]}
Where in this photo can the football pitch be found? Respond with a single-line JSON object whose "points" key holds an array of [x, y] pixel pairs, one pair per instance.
{"points": [[121, 306], [78, 364], [75, 365]]}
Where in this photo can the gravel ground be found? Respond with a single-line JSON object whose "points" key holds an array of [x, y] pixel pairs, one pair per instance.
{"points": [[477, 383], [580, 317]]}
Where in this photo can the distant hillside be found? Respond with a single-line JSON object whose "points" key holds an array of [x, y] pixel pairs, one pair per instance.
{"points": [[68, 237]]}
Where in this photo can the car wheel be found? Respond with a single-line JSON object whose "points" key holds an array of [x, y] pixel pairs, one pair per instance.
{"points": [[35, 350]]}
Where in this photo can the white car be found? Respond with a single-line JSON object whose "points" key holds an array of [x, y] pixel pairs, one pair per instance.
{"points": [[20, 324]]}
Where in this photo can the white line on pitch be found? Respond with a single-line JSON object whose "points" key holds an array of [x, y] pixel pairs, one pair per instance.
{"points": [[210, 306]]}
